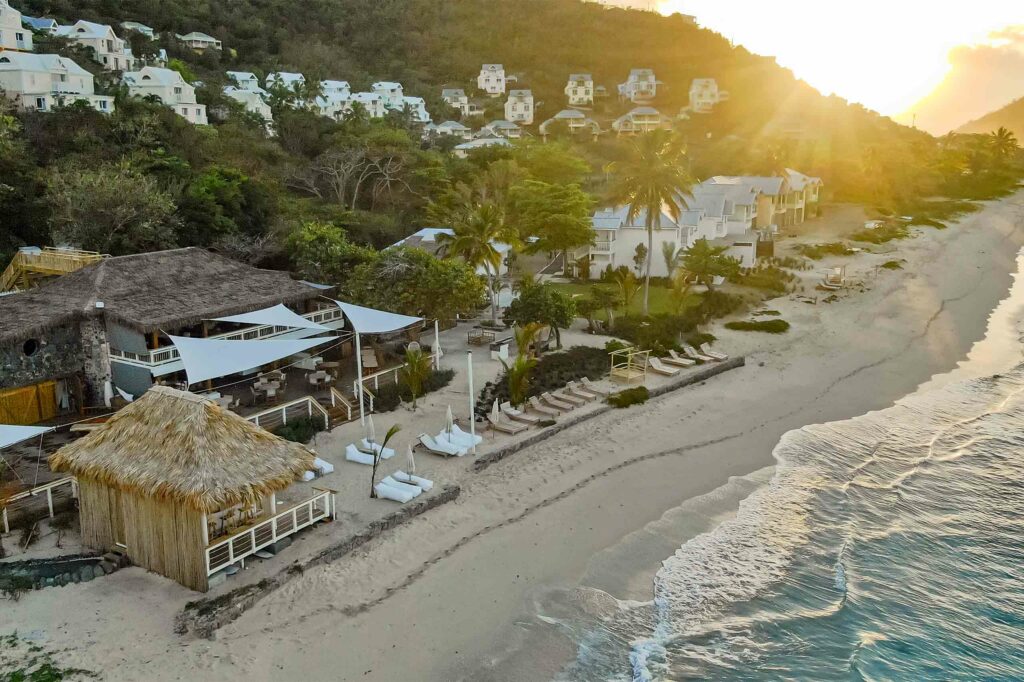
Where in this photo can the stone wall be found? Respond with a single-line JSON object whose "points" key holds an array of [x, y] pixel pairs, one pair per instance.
{"points": [[95, 358], [48, 355]]}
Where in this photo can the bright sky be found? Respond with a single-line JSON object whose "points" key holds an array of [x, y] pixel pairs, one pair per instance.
{"points": [[885, 54]]}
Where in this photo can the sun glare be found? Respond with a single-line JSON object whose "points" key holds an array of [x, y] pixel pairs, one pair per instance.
{"points": [[885, 55]]}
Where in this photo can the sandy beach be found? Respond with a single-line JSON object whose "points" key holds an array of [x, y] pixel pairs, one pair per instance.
{"points": [[455, 593]]}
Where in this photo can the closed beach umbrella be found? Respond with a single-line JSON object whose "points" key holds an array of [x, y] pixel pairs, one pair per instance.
{"points": [[495, 413], [449, 421], [410, 461], [371, 433]]}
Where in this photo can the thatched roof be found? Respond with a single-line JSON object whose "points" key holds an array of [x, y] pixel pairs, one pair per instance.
{"points": [[150, 291], [180, 447]]}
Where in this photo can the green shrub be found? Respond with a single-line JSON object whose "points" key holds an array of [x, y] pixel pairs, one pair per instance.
{"points": [[892, 265], [768, 326], [553, 371], [630, 396], [819, 251], [300, 430], [698, 339], [715, 304], [390, 396], [655, 331], [883, 234], [768, 277]]}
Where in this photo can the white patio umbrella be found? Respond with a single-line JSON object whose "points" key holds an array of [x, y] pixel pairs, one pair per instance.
{"points": [[371, 433], [410, 461], [449, 421], [495, 412]]}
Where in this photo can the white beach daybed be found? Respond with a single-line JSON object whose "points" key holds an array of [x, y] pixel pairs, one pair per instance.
{"points": [[354, 454]]}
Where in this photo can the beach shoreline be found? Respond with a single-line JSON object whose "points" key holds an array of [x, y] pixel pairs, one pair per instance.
{"points": [[454, 594]]}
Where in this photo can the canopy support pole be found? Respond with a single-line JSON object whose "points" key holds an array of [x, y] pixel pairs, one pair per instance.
{"points": [[437, 346], [472, 401], [359, 380]]}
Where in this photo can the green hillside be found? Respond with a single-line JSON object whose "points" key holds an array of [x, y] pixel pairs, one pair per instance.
{"points": [[1010, 117]]}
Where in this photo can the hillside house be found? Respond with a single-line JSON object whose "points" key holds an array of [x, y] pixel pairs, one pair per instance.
{"points": [[107, 49], [501, 128], [519, 107], [168, 87], [244, 80], [572, 121], [254, 101], [641, 120], [41, 24], [580, 90], [466, 148], [199, 41], [333, 89], [40, 82], [147, 31], [13, 35], [427, 240], [285, 79], [371, 102], [392, 93], [704, 95], [448, 129], [641, 86], [457, 99], [417, 107], [492, 79], [69, 343]]}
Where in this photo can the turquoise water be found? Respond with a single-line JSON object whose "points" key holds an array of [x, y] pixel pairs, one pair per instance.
{"points": [[886, 547]]}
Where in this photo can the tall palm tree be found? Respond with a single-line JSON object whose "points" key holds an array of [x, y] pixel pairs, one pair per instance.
{"points": [[653, 180], [475, 234], [1004, 143]]}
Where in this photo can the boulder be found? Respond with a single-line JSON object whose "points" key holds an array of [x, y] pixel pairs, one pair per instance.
{"points": [[97, 571], [107, 567]]}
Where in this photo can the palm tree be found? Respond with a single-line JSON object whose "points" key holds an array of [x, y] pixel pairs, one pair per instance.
{"points": [[517, 376], [671, 256], [415, 372], [628, 288], [707, 262], [475, 234], [1004, 143], [377, 456], [652, 181], [525, 335]]}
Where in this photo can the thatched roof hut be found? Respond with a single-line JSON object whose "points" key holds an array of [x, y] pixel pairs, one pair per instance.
{"points": [[150, 476], [150, 291]]}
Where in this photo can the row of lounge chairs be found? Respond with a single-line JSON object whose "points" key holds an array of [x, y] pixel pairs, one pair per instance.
{"points": [[673, 363], [453, 443], [549, 404], [365, 451], [402, 487]]}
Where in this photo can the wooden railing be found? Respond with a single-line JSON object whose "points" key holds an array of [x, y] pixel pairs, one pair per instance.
{"points": [[337, 397], [161, 356], [248, 541], [276, 416], [48, 261], [47, 488]]}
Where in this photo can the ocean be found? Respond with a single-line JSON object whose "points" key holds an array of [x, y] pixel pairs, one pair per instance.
{"points": [[885, 547]]}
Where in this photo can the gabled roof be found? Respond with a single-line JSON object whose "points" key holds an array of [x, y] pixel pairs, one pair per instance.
{"points": [[286, 78], [426, 239], [136, 26], [198, 35], [453, 125], [368, 97], [484, 142], [580, 77], [387, 85], [618, 217], [154, 75], [492, 67], [502, 124], [40, 63], [240, 76], [520, 93], [799, 181], [39, 23], [770, 185], [85, 29], [566, 114], [335, 85], [453, 92]]}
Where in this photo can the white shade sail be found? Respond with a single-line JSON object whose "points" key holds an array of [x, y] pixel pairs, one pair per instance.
{"points": [[278, 315], [12, 435], [211, 358], [370, 321]]}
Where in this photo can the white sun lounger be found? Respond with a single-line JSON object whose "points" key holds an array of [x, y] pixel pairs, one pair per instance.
{"points": [[537, 406], [414, 490], [661, 368], [678, 360], [440, 448], [511, 428], [374, 448], [387, 492], [565, 395], [563, 405], [694, 353], [518, 415], [424, 483], [589, 385], [354, 454], [461, 438], [713, 353]]}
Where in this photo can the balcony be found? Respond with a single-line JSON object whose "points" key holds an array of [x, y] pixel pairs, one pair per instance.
{"points": [[153, 359], [602, 247]]}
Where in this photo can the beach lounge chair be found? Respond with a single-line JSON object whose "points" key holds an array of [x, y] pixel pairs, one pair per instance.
{"points": [[445, 449], [678, 360], [565, 395], [696, 354], [590, 386], [518, 415], [414, 490], [715, 354], [323, 466], [374, 448], [537, 406], [461, 438], [573, 388], [353, 454], [557, 403], [510, 428], [661, 368], [392, 493], [423, 483]]}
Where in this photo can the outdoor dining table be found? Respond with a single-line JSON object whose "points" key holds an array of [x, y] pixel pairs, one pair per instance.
{"points": [[318, 378], [225, 401], [329, 366]]}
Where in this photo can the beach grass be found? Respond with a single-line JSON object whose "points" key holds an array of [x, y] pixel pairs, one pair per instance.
{"points": [[767, 326]]}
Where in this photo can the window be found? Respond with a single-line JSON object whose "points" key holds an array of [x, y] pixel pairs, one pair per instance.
{"points": [[177, 91], [19, 37], [103, 105], [41, 103]]}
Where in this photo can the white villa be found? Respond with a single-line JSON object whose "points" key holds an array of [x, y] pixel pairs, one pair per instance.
{"points": [[500, 128], [392, 93], [463, 150], [519, 107], [42, 24], [336, 89], [285, 79], [417, 107], [580, 90], [641, 120], [449, 129], [575, 121], [13, 35], [427, 240], [456, 98], [704, 95], [781, 201], [244, 80], [371, 102], [641, 86], [41, 82], [170, 88], [254, 100], [492, 79], [199, 41], [139, 28], [107, 48]]}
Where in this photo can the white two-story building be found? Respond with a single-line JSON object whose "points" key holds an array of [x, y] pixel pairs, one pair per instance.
{"points": [[448, 129], [371, 102], [492, 79], [147, 31], [254, 99], [580, 90], [519, 107], [641, 120], [573, 121], [334, 89], [40, 82], [13, 34], [169, 88], [199, 41], [705, 94], [292, 82], [107, 49], [392, 92], [417, 107], [641, 86]]}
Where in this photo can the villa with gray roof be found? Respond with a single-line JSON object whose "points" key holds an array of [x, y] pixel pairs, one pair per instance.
{"points": [[492, 79], [13, 35], [107, 49], [641, 86], [199, 41], [519, 107], [580, 90], [40, 82], [641, 120], [170, 88], [573, 121]]}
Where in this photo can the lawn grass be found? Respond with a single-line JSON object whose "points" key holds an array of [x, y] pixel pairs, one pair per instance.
{"points": [[661, 301]]}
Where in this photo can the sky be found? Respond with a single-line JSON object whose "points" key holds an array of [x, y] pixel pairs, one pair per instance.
{"points": [[888, 55]]}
